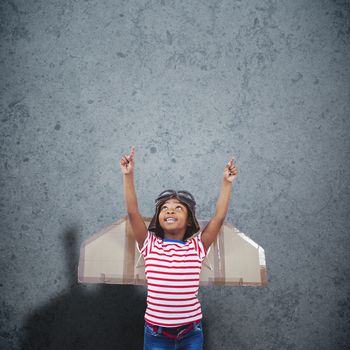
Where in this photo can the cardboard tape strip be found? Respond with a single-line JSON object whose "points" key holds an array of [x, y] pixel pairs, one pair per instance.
{"points": [[263, 275], [219, 259]]}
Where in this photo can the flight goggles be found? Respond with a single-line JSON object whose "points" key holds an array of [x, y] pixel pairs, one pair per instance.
{"points": [[184, 196]]}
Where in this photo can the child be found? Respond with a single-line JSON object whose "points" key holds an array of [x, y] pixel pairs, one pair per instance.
{"points": [[173, 259]]}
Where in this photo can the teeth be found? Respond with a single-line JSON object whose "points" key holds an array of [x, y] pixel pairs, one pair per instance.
{"points": [[171, 219]]}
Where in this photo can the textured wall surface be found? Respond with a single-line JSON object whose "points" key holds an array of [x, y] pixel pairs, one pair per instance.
{"points": [[189, 83]]}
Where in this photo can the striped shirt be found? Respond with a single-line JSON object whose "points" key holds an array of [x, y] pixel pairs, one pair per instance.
{"points": [[172, 270]]}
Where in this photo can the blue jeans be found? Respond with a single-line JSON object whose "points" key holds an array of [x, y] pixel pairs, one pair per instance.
{"points": [[192, 340]]}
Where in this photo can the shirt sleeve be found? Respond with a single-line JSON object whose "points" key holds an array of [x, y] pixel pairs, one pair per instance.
{"points": [[144, 250], [202, 253]]}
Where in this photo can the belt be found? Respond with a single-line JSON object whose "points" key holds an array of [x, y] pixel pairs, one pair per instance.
{"points": [[173, 332]]}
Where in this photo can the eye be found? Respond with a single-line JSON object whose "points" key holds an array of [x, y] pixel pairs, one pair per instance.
{"points": [[179, 207]]}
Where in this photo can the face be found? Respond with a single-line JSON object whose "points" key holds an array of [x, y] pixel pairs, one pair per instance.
{"points": [[173, 215]]}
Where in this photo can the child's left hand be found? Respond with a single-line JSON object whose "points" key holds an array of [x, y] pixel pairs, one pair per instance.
{"points": [[230, 172]]}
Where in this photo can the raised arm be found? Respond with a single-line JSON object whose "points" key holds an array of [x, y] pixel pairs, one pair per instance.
{"points": [[138, 226], [212, 229]]}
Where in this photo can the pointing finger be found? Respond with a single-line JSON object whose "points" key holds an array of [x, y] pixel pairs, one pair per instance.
{"points": [[132, 153]]}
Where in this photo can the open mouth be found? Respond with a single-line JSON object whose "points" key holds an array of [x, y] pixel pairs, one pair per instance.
{"points": [[170, 220]]}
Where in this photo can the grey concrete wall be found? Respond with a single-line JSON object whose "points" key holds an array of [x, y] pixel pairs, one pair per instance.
{"points": [[189, 83]]}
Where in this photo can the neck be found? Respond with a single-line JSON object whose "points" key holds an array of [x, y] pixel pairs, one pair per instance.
{"points": [[176, 235]]}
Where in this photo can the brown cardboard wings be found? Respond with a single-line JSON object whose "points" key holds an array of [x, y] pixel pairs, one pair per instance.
{"points": [[111, 256]]}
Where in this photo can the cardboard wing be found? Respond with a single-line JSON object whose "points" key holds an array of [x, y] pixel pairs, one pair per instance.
{"points": [[111, 256]]}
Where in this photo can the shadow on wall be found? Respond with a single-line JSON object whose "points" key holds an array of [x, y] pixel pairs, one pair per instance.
{"points": [[109, 317]]}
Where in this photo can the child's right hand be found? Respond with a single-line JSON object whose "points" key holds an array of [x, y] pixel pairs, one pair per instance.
{"points": [[127, 162]]}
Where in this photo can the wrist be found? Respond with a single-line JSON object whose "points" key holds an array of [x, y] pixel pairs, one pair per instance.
{"points": [[227, 182]]}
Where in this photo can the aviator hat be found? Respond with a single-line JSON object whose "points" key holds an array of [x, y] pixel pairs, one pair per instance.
{"points": [[184, 197]]}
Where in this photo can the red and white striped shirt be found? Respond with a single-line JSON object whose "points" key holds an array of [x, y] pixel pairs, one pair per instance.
{"points": [[172, 271]]}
